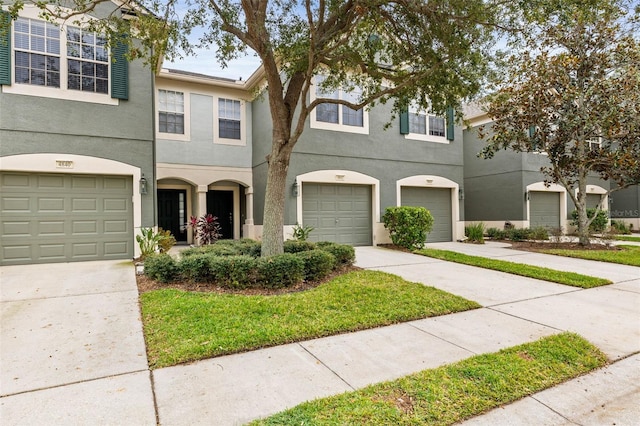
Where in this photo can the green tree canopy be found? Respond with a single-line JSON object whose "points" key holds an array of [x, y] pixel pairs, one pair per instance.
{"points": [[572, 91]]}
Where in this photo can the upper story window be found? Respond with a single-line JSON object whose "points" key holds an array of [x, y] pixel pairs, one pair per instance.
{"points": [[419, 125], [330, 116], [54, 60], [170, 112], [595, 144], [229, 119]]}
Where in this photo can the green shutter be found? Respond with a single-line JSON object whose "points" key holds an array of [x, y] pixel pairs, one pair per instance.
{"points": [[404, 121], [5, 48], [450, 124], [532, 131], [119, 71]]}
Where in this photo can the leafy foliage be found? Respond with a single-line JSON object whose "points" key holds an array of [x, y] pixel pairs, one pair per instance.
{"points": [[148, 240], [301, 233], [572, 90], [317, 263], [599, 219], [475, 232], [160, 267], [345, 255], [206, 228], [167, 241], [408, 226]]}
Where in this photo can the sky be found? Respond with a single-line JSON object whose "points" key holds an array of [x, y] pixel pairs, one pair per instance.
{"points": [[205, 63]]}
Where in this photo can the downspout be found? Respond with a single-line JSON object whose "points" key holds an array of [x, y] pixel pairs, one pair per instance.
{"points": [[153, 141]]}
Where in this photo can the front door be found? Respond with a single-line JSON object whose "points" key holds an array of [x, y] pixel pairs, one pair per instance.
{"points": [[220, 204], [172, 206]]}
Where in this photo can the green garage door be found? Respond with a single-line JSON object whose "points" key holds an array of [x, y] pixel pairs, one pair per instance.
{"points": [[339, 213], [64, 218], [438, 202], [544, 209]]}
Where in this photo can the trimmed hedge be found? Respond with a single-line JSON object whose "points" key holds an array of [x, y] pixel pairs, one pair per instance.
{"points": [[345, 255], [317, 263], [160, 267], [236, 264]]}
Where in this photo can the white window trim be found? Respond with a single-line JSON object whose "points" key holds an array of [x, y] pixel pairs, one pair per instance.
{"points": [[32, 12], [184, 137], [337, 127], [216, 123], [426, 137]]}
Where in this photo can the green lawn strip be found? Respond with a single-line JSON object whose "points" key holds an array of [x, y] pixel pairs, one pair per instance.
{"points": [[628, 255], [627, 238], [454, 392], [182, 326], [537, 272]]}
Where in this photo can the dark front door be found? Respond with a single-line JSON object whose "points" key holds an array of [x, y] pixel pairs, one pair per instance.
{"points": [[220, 204], [172, 207]]}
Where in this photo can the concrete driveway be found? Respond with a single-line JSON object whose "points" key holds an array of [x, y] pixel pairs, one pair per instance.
{"points": [[71, 346]]}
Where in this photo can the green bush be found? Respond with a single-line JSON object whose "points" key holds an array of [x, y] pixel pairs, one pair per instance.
{"points": [[475, 232], [297, 246], [317, 263], [280, 271], [160, 267], [345, 254], [518, 234], [408, 226], [238, 272], [167, 240], [620, 227], [539, 233], [195, 267], [244, 246], [301, 233], [496, 234], [599, 224]]}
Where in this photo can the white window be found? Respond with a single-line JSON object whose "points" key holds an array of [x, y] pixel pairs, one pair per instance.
{"points": [[330, 116], [59, 61], [38, 57], [427, 127], [595, 144], [170, 112], [229, 119]]}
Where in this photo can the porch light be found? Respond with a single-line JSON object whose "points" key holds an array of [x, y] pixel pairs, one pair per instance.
{"points": [[460, 194], [295, 190], [526, 195], [143, 185]]}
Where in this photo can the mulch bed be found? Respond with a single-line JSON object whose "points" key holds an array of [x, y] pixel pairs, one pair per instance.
{"points": [[537, 246], [146, 284]]}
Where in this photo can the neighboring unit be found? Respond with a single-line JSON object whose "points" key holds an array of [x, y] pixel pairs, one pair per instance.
{"points": [[76, 144], [625, 206], [346, 169], [510, 186]]}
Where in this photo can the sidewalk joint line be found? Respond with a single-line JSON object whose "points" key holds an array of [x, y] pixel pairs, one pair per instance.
{"points": [[529, 320], [69, 295], [153, 394], [550, 408], [326, 366], [574, 290], [72, 383], [473, 353]]}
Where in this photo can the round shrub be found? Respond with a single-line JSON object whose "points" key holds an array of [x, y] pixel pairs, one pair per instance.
{"points": [[345, 255], [317, 263], [297, 246], [496, 234], [539, 233], [600, 222], [212, 249], [160, 267], [408, 226], [280, 271], [195, 267], [243, 246], [238, 272]]}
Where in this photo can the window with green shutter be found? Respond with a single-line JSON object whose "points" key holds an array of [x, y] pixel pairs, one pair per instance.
{"points": [[119, 71]]}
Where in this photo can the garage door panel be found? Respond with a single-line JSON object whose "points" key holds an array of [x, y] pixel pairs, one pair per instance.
{"points": [[16, 204], [50, 181], [46, 205], [338, 212], [15, 180], [65, 218], [438, 202]]}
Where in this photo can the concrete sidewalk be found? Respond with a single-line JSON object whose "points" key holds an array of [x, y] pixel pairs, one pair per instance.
{"points": [[73, 353]]}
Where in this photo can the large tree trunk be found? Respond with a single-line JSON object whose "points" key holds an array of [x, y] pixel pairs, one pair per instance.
{"points": [[581, 207], [273, 221]]}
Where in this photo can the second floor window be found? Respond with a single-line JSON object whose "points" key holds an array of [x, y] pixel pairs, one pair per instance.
{"points": [[42, 56], [228, 119], [336, 113], [423, 124], [170, 111]]}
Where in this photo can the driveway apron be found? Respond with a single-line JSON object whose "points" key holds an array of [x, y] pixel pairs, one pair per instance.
{"points": [[71, 345]]}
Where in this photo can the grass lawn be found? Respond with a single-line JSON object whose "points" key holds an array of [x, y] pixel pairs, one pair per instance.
{"points": [[628, 238], [537, 272], [454, 392], [182, 326], [629, 255]]}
